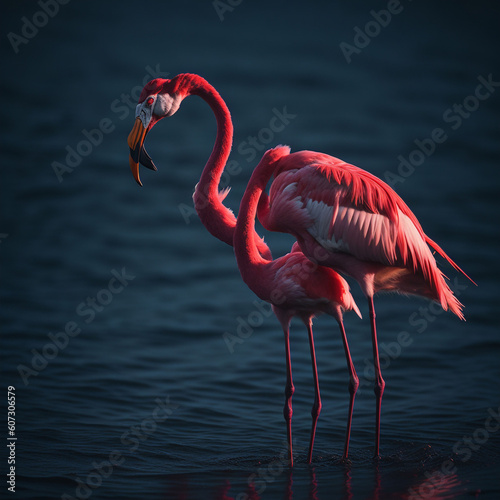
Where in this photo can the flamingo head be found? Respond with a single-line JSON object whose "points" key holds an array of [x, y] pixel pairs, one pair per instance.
{"points": [[159, 98]]}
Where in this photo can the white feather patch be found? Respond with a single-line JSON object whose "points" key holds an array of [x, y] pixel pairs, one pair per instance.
{"points": [[290, 187], [322, 215]]}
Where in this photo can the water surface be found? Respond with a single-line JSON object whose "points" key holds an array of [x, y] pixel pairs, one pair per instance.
{"points": [[148, 400]]}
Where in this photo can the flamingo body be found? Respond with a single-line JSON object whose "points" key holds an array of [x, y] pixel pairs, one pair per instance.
{"points": [[291, 282], [294, 286], [347, 218]]}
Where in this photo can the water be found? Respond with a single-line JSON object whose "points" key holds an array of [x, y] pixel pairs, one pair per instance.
{"points": [[147, 400]]}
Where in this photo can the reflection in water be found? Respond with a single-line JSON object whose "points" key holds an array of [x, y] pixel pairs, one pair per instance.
{"points": [[347, 494], [258, 487], [251, 493], [223, 492], [436, 485], [314, 483], [376, 487], [313, 490], [289, 490]]}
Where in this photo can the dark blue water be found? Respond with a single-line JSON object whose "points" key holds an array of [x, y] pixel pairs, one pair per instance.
{"points": [[145, 399]]}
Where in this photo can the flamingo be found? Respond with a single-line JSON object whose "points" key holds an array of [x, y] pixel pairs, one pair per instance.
{"points": [[295, 287], [348, 219], [161, 98], [342, 216]]}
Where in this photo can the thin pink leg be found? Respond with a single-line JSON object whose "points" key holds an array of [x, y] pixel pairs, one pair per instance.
{"points": [[316, 409], [379, 381], [353, 387], [289, 390]]}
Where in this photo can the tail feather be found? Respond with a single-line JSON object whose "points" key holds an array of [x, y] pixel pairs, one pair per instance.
{"points": [[443, 254], [350, 303], [443, 293], [419, 253], [449, 300], [355, 308]]}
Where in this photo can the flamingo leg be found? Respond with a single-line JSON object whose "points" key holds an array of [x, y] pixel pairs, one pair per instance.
{"points": [[353, 387], [316, 409], [379, 381], [289, 390]]}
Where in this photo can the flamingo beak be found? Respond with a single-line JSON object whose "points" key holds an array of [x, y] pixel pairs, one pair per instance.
{"points": [[138, 153], [135, 143]]}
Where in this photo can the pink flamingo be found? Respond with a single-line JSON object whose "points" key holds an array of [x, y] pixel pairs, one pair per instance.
{"points": [[346, 218], [295, 287], [161, 98]]}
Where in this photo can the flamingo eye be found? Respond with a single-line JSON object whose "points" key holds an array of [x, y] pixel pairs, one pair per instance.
{"points": [[150, 101]]}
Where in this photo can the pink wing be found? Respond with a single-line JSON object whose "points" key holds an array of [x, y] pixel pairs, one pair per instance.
{"points": [[346, 209]]}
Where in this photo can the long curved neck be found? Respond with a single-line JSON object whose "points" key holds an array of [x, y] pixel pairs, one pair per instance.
{"points": [[218, 219], [251, 264]]}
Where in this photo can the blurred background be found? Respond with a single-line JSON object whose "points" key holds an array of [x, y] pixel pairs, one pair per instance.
{"points": [[117, 304]]}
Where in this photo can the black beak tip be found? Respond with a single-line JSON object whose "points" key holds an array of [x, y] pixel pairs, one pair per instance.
{"points": [[151, 166], [134, 154], [146, 160]]}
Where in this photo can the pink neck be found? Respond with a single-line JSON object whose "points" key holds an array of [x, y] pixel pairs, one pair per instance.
{"points": [[217, 218], [250, 262]]}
